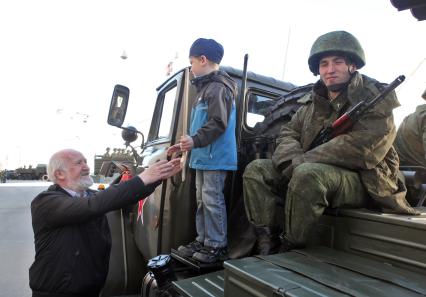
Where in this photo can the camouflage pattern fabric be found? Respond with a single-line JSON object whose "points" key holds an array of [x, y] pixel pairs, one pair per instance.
{"points": [[313, 187], [264, 190], [410, 142], [366, 148], [362, 158]]}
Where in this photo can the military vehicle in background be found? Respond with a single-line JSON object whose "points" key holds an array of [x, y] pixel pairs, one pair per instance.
{"points": [[30, 173], [10, 174], [105, 169], [3, 176], [118, 154]]}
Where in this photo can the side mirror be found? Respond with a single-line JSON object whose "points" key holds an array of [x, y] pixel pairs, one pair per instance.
{"points": [[118, 107]]}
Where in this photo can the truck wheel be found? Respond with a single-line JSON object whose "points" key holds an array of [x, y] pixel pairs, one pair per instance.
{"points": [[150, 287], [45, 177]]}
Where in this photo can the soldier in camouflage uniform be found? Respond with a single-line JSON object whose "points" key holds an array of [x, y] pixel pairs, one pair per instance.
{"points": [[344, 172], [410, 142]]}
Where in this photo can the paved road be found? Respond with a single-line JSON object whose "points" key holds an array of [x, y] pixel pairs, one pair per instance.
{"points": [[16, 237]]}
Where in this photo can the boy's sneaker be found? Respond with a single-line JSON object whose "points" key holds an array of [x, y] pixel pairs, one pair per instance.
{"points": [[189, 249], [211, 255]]}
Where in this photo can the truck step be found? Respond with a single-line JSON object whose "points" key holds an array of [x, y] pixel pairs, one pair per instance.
{"points": [[195, 265]]}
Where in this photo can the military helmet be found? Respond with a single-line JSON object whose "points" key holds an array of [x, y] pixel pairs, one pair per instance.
{"points": [[336, 43]]}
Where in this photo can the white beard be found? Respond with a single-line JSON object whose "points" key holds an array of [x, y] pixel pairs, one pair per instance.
{"points": [[83, 183]]}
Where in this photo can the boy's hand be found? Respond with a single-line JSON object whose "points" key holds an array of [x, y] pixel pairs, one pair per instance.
{"points": [[174, 149], [186, 143]]}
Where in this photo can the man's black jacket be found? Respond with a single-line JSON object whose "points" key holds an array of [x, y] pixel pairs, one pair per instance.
{"points": [[72, 238]]}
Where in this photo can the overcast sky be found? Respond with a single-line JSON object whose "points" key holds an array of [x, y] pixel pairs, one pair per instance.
{"points": [[60, 60]]}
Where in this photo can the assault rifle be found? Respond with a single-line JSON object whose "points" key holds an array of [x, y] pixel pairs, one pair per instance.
{"points": [[349, 118]]}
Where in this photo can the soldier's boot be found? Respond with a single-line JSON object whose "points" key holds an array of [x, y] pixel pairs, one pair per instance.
{"points": [[268, 241], [285, 245]]}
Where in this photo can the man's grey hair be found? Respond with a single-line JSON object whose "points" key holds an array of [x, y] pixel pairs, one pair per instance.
{"points": [[56, 162]]}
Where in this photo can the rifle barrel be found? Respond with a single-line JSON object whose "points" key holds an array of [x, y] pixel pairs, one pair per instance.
{"points": [[387, 90]]}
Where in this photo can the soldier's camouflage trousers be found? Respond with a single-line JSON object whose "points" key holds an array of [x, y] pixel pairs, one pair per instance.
{"points": [[312, 188]]}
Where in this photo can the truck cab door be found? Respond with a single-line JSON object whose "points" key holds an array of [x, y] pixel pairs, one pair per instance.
{"points": [[156, 228]]}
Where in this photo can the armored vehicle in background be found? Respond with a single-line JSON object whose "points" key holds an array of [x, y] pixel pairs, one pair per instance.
{"points": [[3, 176], [104, 169], [30, 173], [351, 253]]}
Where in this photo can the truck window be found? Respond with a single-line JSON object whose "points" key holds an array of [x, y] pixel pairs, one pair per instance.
{"points": [[167, 113], [257, 107]]}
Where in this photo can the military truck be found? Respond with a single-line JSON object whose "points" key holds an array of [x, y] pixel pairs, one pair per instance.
{"points": [[353, 252], [104, 170], [3, 176], [30, 173]]}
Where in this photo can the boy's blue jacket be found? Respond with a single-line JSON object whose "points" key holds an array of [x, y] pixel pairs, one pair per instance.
{"points": [[213, 119]]}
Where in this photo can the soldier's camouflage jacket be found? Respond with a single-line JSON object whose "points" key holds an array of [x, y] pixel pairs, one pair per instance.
{"points": [[366, 148], [411, 138]]}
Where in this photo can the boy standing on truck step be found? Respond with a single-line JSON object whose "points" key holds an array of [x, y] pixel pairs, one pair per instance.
{"points": [[213, 144]]}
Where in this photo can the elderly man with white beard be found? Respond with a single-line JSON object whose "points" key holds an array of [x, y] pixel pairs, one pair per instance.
{"points": [[71, 233]]}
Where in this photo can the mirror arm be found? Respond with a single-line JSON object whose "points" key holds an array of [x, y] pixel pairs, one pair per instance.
{"points": [[136, 156], [143, 140]]}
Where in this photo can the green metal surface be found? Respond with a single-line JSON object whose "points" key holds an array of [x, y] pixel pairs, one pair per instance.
{"points": [[255, 277], [415, 222], [317, 271], [378, 270], [350, 274], [392, 238], [207, 285]]}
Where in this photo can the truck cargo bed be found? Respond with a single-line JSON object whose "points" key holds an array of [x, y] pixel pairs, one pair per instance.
{"points": [[317, 271], [365, 254]]}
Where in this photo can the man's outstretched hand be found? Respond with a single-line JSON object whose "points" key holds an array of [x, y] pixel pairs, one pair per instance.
{"points": [[160, 170]]}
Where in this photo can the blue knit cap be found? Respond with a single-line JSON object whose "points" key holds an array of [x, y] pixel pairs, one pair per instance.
{"points": [[207, 47]]}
